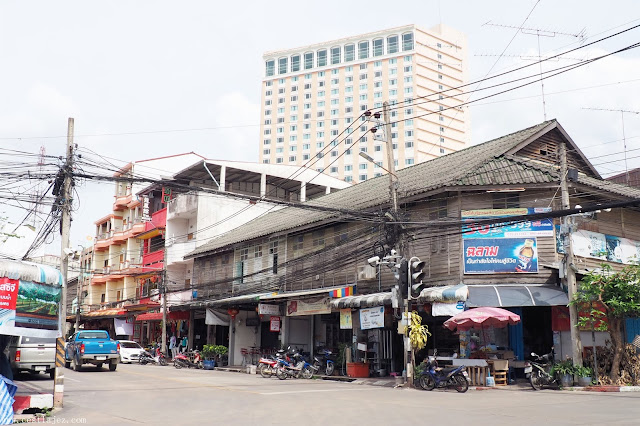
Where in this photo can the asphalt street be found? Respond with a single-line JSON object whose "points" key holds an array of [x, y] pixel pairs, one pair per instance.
{"points": [[137, 394]]}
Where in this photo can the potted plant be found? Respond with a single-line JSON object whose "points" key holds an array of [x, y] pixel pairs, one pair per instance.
{"points": [[564, 370], [584, 374], [220, 351], [208, 353]]}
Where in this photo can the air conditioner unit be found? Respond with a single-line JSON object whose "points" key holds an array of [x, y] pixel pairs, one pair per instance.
{"points": [[366, 272]]}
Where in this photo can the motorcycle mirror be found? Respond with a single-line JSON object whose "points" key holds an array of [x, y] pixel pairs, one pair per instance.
{"points": [[533, 354]]}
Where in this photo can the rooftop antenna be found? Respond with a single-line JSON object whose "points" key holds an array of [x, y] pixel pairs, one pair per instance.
{"points": [[624, 140], [539, 32]]}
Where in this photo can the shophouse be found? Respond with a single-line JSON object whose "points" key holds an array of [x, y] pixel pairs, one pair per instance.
{"points": [[300, 276], [120, 258]]}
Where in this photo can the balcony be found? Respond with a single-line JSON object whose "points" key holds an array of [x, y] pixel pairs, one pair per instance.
{"points": [[177, 251], [122, 201], [119, 236], [183, 206], [159, 218], [153, 261]]}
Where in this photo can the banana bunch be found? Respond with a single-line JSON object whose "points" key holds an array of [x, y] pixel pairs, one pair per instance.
{"points": [[418, 333]]}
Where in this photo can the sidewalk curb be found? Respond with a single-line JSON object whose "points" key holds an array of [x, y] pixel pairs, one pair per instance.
{"points": [[24, 402]]}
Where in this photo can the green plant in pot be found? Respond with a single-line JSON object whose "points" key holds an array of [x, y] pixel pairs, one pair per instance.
{"points": [[220, 351], [584, 374], [564, 371], [208, 353]]}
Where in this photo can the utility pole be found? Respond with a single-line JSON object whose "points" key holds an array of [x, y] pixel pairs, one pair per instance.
{"points": [[65, 207], [569, 267]]}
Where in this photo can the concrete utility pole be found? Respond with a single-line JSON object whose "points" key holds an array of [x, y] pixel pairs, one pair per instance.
{"points": [[65, 207], [163, 292], [391, 164], [569, 267], [79, 291]]}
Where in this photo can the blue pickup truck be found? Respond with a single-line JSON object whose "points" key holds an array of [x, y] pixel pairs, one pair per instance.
{"points": [[91, 347]]}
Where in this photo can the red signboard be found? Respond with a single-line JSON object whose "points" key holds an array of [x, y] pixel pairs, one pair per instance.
{"points": [[274, 324], [8, 293]]}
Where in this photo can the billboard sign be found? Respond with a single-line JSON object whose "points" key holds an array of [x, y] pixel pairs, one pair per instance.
{"points": [[530, 228], [500, 255]]}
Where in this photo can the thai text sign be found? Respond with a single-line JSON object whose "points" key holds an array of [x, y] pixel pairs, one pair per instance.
{"points": [[372, 318], [274, 324], [535, 228], [264, 309], [298, 307], [500, 255]]}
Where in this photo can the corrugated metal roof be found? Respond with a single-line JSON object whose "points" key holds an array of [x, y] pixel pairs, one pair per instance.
{"points": [[479, 165]]}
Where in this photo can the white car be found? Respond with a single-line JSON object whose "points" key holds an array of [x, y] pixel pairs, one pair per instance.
{"points": [[129, 351]]}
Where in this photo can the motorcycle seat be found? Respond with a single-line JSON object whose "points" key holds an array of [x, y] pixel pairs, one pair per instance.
{"points": [[446, 370]]}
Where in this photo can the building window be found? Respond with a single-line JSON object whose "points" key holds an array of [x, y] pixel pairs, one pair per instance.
{"points": [[335, 55], [392, 44], [266, 151], [349, 52], [407, 41], [363, 49], [506, 200], [322, 58], [362, 178], [333, 170], [408, 144], [244, 254], [257, 251], [266, 142], [318, 238], [292, 158], [348, 179], [363, 166], [271, 67], [295, 63], [348, 168], [378, 47], [408, 161], [298, 242], [279, 160], [282, 65], [308, 62]]}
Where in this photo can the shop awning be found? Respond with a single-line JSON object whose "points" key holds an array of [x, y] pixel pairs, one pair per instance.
{"points": [[157, 316], [105, 313], [363, 301], [449, 293], [28, 271], [516, 295], [235, 300]]}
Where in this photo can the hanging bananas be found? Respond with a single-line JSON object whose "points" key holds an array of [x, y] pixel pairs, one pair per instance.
{"points": [[418, 333]]}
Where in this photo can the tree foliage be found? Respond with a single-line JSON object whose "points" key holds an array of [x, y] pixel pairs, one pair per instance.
{"points": [[618, 297]]}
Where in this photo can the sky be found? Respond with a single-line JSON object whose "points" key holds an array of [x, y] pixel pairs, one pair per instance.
{"points": [[146, 79]]}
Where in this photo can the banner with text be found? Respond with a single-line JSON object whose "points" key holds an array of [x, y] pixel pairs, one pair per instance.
{"points": [[372, 318], [595, 245], [500, 255], [298, 307], [28, 308], [535, 228]]}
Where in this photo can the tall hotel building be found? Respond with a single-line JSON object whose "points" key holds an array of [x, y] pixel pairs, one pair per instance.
{"points": [[313, 98]]}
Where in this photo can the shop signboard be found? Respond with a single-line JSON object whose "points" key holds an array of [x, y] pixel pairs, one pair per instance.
{"points": [[446, 309], [265, 309], [500, 255], [529, 228], [372, 318], [595, 245], [346, 322], [274, 323], [299, 307], [29, 299]]}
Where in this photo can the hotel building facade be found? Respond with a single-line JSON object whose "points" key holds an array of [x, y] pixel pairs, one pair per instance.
{"points": [[314, 97]]}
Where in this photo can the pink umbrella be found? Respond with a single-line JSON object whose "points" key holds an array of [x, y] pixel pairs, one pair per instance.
{"points": [[481, 318]]}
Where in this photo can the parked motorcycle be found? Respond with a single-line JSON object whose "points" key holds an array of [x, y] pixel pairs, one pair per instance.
{"points": [[267, 365], [297, 367], [323, 362], [434, 377], [538, 371], [192, 361], [146, 358]]}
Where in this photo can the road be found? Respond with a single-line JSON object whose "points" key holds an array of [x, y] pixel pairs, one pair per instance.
{"points": [[137, 394]]}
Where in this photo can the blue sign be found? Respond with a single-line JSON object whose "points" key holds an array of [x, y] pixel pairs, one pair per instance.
{"points": [[500, 255], [529, 228]]}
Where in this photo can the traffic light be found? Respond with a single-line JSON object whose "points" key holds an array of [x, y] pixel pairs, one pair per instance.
{"points": [[403, 278], [416, 274]]}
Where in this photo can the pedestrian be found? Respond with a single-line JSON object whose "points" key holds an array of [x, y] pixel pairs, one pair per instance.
{"points": [[173, 347], [184, 343]]}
